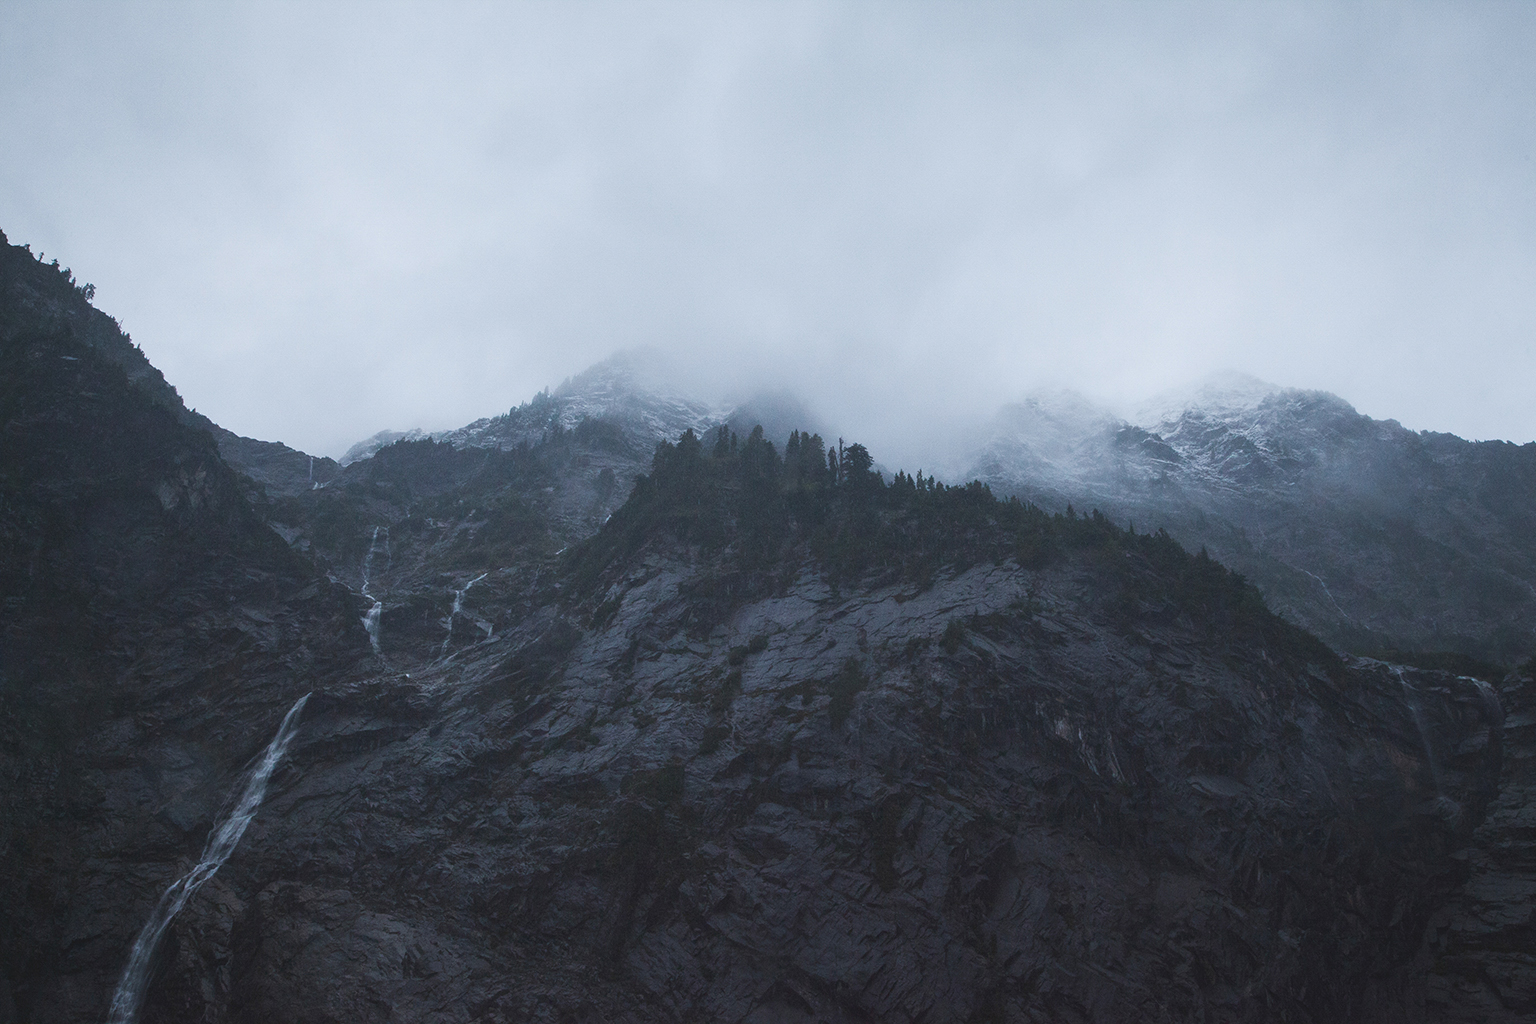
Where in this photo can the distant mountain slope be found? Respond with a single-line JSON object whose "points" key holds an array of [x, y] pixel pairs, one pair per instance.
{"points": [[599, 427], [278, 468], [623, 390], [1373, 536], [558, 465]]}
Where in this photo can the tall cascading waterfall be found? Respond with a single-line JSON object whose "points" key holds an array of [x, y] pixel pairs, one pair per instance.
{"points": [[221, 843], [371, 620]]}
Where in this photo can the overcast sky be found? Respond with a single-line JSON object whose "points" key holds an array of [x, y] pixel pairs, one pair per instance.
{"points": [[321, 220]]}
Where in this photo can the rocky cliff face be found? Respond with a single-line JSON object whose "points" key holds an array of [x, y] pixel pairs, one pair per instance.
{"points": [[1481, 943], [1044, 821], [755, 750], [147, 610]]}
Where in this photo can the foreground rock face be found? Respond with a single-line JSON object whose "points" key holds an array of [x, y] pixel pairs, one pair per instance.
{"points": [[1483, 943], [1047, 820]]}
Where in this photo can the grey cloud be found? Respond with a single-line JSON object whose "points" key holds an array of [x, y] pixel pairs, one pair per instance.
{"points": [[321, 221]]}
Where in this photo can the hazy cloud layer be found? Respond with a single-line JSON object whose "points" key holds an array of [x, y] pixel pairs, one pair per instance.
{"points": [[322, 222]]}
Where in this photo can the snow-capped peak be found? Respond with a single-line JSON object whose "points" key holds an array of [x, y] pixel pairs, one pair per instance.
{"points": [[368, 447], [632, 390], [1223, 394]]}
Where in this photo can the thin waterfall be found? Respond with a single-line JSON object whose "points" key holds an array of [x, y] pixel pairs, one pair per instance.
{"points": [[1493, 707], [371, 620], [221, 843], [1329, 593], [371, 624], [373, 549], [458, 606]]}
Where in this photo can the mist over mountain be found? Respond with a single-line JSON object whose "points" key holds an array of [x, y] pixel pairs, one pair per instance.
{"points": [[1376, 537], [627, 513], [633, 390], [621, 708]]}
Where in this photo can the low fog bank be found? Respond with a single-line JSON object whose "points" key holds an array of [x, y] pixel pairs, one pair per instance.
{"points": [[929, 409], [914, 421]]}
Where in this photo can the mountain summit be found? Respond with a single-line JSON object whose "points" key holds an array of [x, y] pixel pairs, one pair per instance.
{"points": [[1377, 538], [630, 390], [1224, 393]]}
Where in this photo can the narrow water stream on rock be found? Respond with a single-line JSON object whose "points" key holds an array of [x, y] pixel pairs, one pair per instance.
{"points": [[371, 624], [371, 620], [458, 607], [221, 843]]}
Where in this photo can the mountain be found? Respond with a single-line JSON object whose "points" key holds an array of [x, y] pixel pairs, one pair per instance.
{"points": [[369, 446], [768, 742], [557, 465], [150, 616], [697, 782], [628, 390], [1377, 538], [1058, 448]]}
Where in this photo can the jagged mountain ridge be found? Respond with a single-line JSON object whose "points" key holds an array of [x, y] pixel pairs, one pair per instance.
{"points": [[1375, 537], [670, 782], [557, 465], [625, 390]]}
